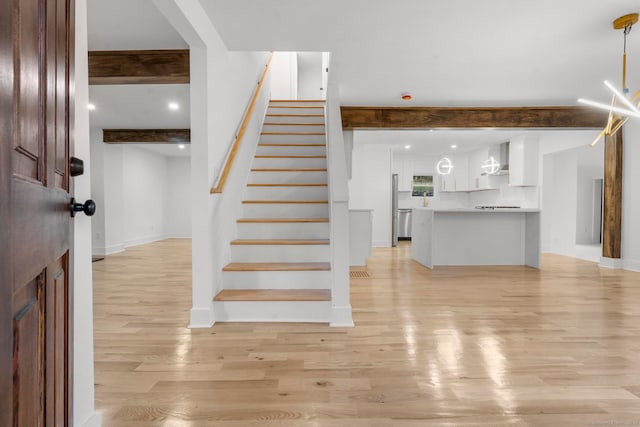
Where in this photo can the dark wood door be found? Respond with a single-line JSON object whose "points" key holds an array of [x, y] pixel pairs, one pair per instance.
{"points": [[36, 58]]}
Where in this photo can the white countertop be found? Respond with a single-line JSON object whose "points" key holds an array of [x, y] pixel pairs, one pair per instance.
{"points": [[473, 210]]}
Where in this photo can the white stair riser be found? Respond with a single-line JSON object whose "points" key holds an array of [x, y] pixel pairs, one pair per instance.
{"points": [[290, 162], [278, 117], [285, 210], [292, 139], [291, 151], [291, 128], [276, 279], [286, 230], [288, 178], [272, 311], [280, 253], [286, 193]]}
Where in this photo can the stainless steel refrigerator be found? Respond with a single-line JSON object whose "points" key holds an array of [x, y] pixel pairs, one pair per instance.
{"points": [[394, 210]]}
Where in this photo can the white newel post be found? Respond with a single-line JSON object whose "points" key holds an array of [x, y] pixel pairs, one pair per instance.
{"points": [[341, 314]]}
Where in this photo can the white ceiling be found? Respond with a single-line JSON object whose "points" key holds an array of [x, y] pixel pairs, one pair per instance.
{"points": [[454, 52], [129, 24], [139, 106], [447, 53], [168, 150], [438, 142]]}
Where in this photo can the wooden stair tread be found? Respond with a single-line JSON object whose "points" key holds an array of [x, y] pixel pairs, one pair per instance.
{"points": [[280, 220], [297, 100], [280, 242], [291, 157], [274, 295], [296, 106], [288, 185], [274, 144], [285, 202], [294, 133], [292, 124], [289, 170], [277, 266], [295, 115]]}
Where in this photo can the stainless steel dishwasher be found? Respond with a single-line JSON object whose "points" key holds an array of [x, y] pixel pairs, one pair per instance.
{"points": [[404, 224]]}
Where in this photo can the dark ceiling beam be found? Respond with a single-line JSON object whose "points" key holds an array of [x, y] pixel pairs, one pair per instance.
{"points": [[117, 67], [472, 117], [146, 136]]}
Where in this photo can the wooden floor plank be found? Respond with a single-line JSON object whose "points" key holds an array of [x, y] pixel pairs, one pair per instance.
{"points": [[472, 346], [289, 185], [286, 202], [280, 242], [290, 157], [274, 295], [280, 220], [289, 170], [277, 266]]}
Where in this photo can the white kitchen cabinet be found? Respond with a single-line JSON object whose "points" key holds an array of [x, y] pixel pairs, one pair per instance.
{"points": [[458, 179], [404, 168], [523, 161], [478, 181]]}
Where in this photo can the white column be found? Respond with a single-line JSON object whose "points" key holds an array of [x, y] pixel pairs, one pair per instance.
{"points": [[341, 314], [84, 414], [207, 51]]}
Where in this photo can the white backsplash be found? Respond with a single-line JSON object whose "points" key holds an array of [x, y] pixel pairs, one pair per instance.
{"points": [[504, 195]]}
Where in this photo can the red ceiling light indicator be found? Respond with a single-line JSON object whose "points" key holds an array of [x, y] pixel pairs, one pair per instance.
{"points": [[407, 96]]}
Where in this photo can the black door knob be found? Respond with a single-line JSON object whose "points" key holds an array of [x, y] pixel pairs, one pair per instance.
{"points": [[89, 207], [76, 166]]}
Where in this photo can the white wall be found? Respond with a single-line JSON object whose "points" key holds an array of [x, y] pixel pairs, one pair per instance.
{"points": [[590, 168], [144, 178], [141, 196], [177, 208], [222, 83], [631, 196], [284, 75], [310, 75], [84, 414], [370, 186], [97, 188], [567, 198], [559, 203]]}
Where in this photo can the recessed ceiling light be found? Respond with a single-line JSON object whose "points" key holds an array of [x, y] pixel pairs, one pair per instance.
{"points": [[454, 146], [174, 106], [91, 107], [181, 146], [406, 147]]}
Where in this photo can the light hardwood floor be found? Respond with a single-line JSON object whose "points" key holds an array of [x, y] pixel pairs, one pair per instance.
{"points": [[454, 346]]}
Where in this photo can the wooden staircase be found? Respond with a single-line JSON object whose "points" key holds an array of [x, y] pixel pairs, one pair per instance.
{"points": [[280, 269]]}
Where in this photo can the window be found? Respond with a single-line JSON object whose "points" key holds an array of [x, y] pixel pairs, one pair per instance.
{"points": [[422, 184]]}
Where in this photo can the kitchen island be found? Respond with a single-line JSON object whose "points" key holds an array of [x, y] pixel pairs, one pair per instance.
{"points": [[476, 237]]}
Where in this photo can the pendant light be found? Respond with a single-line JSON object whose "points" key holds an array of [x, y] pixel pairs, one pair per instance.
{"points": [[622, 107]]}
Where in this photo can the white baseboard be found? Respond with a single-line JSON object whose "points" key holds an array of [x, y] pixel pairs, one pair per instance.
{"points": [[341, 317], [613, 263], [143, 240], [94, 420], [381, 243], [177, 236], [632, 265], [202, 317], [108, 250]]}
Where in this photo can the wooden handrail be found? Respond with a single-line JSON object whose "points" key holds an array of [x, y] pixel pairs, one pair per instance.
{"points": [[228, 164]]}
